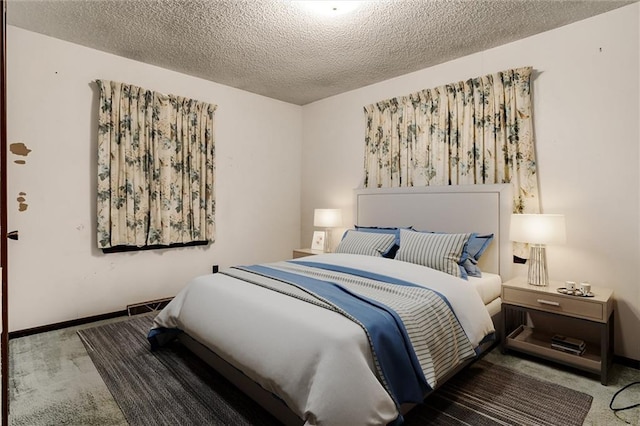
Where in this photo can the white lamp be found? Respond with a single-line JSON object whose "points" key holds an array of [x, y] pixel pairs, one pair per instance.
{"points": [[327, 218], [538, 230]]}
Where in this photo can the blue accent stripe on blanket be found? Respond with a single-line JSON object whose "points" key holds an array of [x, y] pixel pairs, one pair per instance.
{"points": [[158, 337], [388, 335]]}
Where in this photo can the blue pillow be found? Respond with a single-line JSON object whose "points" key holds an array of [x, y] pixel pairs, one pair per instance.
{"points": [[475, 247]]}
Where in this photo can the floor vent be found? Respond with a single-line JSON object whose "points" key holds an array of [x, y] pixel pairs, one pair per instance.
{"points": [[150, 306]]}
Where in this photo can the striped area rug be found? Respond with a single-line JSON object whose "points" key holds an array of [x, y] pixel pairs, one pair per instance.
{"points": [[489, 394], [172, 386]]}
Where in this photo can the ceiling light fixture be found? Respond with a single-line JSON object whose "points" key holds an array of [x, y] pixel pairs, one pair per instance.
{"points": [[329, 8]]}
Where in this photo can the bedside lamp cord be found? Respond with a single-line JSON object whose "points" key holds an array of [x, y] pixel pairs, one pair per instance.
{"points": [[616, 410]]}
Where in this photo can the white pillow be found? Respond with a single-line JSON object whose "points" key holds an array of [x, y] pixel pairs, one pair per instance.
{"points": [[367, 243], [437, 251]]}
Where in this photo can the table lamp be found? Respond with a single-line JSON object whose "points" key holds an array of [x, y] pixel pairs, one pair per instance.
{"points": [[538, 230], [327, 219]]}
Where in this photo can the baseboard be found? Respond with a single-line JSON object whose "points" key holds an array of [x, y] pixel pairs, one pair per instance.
{"points": [[133, 309], [627, 362], [65, 324]]}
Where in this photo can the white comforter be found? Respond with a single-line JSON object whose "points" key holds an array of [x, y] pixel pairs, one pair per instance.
{"points": [[317, 361]]}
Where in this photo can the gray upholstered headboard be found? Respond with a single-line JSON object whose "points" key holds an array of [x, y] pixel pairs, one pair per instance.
{"points": [[466, 208]]}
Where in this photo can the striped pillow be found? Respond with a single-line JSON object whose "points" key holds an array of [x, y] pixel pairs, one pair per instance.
{"points": [[438, 251], [368, 243]]}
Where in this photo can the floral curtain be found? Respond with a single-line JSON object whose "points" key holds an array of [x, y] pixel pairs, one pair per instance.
{"points": [[156, 161], [478, 131]]}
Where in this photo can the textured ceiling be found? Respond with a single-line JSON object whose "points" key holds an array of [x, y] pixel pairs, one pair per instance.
{"points": [[279, 49]]}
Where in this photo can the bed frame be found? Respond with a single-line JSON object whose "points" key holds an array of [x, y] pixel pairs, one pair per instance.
{"points": [[470, 208]]}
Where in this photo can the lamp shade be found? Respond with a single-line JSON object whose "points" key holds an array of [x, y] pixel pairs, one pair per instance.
{"points": [[327, 218], [538, 228]]}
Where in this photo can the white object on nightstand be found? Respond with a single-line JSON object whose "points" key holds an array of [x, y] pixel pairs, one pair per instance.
{"points": [[575, 312]]}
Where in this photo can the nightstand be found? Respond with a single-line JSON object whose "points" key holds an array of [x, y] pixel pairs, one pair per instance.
{"points": [[586, 318], [305, 252]]}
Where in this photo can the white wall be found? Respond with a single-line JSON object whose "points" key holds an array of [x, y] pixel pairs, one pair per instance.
{"points": [[56, 272], [586, 109]]}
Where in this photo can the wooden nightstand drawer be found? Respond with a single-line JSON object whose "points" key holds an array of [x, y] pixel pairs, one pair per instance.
{"points": [[598, 308], [567, 305]]}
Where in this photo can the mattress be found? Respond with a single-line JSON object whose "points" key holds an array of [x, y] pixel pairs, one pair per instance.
{"points": [[489, 287]]}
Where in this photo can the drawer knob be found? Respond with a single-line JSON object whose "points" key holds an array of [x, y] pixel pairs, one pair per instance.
{"points": [[548, 302]]}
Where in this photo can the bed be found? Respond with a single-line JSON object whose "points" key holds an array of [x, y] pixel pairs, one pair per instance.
{"points": [[312, 355]]}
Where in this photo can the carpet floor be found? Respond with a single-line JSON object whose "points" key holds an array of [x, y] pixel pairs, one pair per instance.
{"points": [[171, 386], [53, 381]]}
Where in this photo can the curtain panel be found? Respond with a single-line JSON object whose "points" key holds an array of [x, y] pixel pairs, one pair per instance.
{"points": [[156, 163], [478, 131]]}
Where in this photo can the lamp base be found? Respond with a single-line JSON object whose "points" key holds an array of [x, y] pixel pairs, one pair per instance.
{"points": [[327, 241], [538, 274]]}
